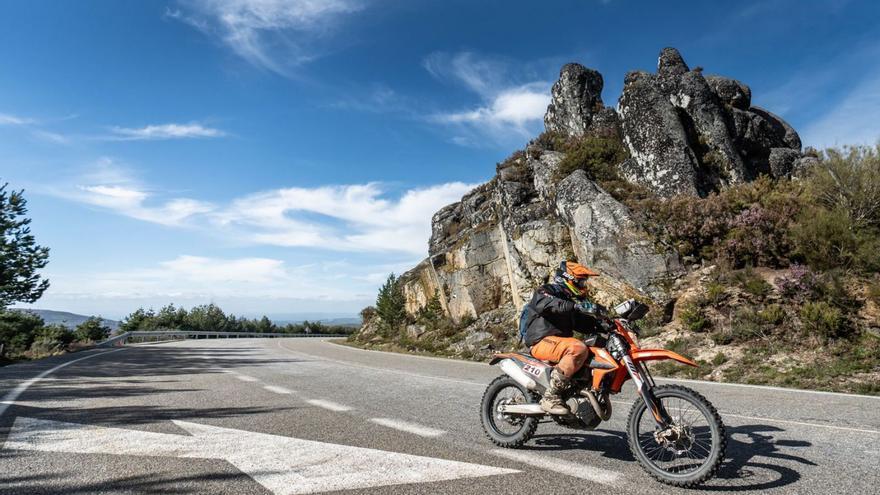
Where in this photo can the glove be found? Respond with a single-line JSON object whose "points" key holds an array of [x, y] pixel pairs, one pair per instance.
{"points": [[586, 307]]}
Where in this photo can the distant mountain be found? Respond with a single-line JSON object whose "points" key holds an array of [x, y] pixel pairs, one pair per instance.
{"points": [[70, 320], [345, 322]]}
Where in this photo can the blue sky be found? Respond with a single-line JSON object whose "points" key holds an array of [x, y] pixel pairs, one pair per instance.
{"points": [[282, 157]]}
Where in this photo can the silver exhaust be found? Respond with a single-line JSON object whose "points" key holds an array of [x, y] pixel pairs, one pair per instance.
{"points": [[528, 409], [515, 372], [603, 414]]}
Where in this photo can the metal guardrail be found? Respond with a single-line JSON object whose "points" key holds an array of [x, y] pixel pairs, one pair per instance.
{"points": [[123, 338]]}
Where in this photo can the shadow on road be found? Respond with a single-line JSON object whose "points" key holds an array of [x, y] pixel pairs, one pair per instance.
{"points": [[755, 459]]}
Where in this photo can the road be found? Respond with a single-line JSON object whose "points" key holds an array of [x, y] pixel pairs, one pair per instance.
{"points": [[244, 416]]}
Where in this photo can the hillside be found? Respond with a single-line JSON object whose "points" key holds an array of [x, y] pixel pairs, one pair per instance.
{"points": [[69, 320], [757, 257]]}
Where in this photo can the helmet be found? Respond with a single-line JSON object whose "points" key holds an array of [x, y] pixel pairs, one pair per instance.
{"points": [[573, 276]]}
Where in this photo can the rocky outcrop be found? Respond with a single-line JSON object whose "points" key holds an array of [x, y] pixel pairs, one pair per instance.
{"points": [[686, 134], [576, 106], [692, 134], [501, 240]]}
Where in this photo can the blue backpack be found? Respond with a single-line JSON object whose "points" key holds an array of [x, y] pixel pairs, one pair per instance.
{"points": [[525, 318]]}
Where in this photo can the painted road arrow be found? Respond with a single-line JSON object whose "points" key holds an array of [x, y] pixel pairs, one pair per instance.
{"points": [[283, 465]]}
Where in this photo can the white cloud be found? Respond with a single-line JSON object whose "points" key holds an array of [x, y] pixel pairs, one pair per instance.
{"points": [[853, 120], [271, 34], [9, 119], [165, 131], [342, 218], [508, 109], [110, 186]]}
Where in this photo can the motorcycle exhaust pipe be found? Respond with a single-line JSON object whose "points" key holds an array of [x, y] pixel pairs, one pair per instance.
{"points": [[603, 414], [515, 372], [527, 409]]}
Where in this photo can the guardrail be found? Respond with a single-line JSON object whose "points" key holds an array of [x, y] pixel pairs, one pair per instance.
{"points": [[123, 338]]}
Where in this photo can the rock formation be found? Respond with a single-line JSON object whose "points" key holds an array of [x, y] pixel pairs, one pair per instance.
{"points": [[686, 133]]}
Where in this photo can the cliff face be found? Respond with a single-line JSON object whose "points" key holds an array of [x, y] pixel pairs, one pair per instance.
{"points": [[685, 134]]}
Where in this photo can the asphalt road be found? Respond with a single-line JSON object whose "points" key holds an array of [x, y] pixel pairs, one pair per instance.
{"points": [[309, 416]]}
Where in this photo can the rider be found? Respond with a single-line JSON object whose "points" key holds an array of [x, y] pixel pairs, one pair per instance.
{"points": [[555, 311]]}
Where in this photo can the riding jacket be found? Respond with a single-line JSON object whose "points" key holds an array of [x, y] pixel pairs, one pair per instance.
{"points": [[551, 311]]}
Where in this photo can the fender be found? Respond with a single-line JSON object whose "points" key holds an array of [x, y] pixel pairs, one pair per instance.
{"points": [[657, 354]]}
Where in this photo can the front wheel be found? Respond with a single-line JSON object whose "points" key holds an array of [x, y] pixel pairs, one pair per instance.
{"points": [[507, 430], [687, 453]]}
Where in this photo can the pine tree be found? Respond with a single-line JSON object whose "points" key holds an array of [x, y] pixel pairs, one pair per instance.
{"points": [[20, 256], [391, 304]]}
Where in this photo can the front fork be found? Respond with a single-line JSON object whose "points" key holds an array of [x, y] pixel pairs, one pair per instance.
{"points": [[644, 386]]}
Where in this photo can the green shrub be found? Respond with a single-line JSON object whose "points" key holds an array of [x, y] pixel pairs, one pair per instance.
{"points": [[848, 180], [772, 314], [822, 321], [680, 345], [92, 330], [747, 324], [715, 292], [693, 318], [18, 329], [597, 156], [719, 359], [751, 282]]}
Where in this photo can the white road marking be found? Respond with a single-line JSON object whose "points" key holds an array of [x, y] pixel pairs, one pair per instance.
{"points": [[775, 420], [245, 378], [283, 465], [768, 387], [799, 423], [13, 394], [326, 404], [561, 466], [386, 370], [278, 390], [413, 428]]}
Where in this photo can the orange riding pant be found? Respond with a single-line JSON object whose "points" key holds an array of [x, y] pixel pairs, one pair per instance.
{"points": [[568, 352]]}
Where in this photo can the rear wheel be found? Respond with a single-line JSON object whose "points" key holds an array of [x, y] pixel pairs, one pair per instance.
{"points": [[691, 450], [507, 430]]}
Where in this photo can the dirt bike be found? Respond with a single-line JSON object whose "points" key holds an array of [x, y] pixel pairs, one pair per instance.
{"points": [[681, 442]]}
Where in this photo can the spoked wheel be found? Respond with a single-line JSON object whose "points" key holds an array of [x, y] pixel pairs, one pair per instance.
{"points": [[507, 430], [685, 454]]}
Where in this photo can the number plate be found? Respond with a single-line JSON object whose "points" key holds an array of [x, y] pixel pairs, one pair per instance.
{"points": [[532, 370]]}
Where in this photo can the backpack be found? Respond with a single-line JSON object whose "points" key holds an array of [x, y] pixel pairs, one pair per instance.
{"points": [[525, 318]]}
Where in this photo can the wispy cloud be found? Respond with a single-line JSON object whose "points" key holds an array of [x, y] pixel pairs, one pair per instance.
{"points": [[9, 119], [111, 187], [276, 35], [509, 106], [346, 218], [191, 130], [853, 120], [343, 218]]}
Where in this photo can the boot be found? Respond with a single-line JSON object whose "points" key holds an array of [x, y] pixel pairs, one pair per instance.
{"points": [[552, 403]]}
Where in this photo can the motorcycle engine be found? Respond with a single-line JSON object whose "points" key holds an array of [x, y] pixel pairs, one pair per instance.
{"points": [[582, 417]]}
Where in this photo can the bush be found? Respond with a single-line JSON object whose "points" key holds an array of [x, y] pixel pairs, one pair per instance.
{"points": [[597, 156], [92, 330], [693, 318], [773, 314], [719, 359], [801, 284], [747, 324], [18, 329], [822, 321], [848, 181]]}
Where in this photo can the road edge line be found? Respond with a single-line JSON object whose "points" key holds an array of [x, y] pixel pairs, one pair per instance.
{"points": [[13, 394]]}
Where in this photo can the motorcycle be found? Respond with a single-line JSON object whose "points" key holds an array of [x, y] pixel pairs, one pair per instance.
{"points": [[680, 442]]}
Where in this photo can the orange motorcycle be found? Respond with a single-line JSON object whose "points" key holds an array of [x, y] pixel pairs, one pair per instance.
{"points": [[680, 441]]}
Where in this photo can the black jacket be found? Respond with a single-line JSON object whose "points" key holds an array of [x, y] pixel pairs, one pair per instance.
{"points": [[551, 311]]}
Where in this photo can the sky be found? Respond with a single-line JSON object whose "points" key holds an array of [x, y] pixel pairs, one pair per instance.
{"points": [[282, 157]]}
